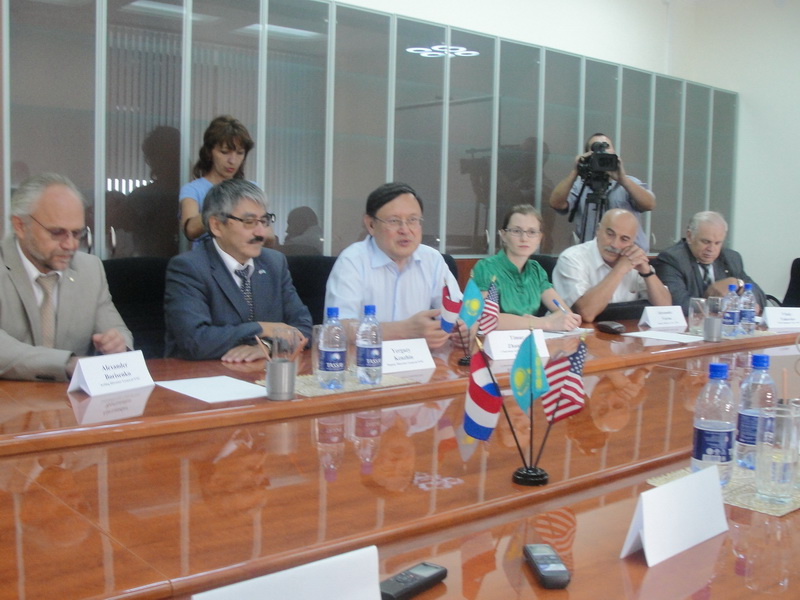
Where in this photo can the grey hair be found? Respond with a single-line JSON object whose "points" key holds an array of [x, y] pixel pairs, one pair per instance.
{"points": [[24, 199], [223, 198], [706, 216]]}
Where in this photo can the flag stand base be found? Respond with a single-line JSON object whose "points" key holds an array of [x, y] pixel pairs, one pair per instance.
{"points": [[464, 360], [530, 476]]}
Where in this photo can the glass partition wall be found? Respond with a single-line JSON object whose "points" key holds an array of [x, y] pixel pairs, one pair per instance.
{"points": [[116, 94]]}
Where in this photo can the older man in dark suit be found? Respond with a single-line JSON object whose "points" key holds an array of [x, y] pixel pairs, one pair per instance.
{"points": [[223, 294], [699, 266], [54, 301]]}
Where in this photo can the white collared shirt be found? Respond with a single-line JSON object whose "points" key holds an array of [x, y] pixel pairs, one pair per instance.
{"points": [[580, 268], [233, 265], [33, 274]]}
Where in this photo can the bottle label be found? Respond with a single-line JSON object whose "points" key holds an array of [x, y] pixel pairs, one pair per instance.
{"points": [[368, 425], [730, 317], [331, 360], [712, 445], [748, 315], [369, 358], [746, 427]]}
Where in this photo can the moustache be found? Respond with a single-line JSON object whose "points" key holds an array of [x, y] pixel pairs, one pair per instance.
{"points": [[612, 250], [256, 240]]}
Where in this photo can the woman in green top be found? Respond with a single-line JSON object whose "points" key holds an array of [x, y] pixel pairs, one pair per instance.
{"points": [[522, 283]]}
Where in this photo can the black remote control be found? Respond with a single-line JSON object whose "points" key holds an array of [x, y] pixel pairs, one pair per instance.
{"points": [[412, 581], [546, 565]]}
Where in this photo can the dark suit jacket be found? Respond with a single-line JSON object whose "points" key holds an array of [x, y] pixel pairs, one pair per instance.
{"points": [[678, 269], [205, 310], [84, 308]]}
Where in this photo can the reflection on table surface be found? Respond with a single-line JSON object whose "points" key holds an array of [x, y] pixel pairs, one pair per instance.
{"points": [[43, 416], [756, 558]]}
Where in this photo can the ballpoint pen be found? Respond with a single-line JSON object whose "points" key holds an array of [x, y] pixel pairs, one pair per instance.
{"points": [[561, 308]]}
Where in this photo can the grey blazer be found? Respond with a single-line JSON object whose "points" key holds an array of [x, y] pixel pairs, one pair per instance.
{"points": [[84, 308], [206, 313], [677, 269]]}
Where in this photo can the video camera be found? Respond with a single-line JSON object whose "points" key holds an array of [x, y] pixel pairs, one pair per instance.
{"points": [[596, 165]]}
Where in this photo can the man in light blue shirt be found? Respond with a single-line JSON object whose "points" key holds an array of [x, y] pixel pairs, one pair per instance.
{"points": [[393, 271]]}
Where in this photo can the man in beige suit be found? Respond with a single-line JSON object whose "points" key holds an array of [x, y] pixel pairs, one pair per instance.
{"points": [[54, 301]]}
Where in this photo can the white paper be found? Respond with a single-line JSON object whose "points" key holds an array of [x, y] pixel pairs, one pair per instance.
{"points": [[215, 389], [549, 335], [676, 516], [406, 355], [110, 373], [666, 336], [350, 576], [504, 345], [663, 317], [780, 318]]}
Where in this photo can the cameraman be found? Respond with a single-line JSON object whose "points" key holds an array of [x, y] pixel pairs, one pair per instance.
{"points": [[624, 192]]}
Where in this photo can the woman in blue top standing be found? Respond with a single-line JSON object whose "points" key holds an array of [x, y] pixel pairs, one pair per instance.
{"points": [[226, 144]]}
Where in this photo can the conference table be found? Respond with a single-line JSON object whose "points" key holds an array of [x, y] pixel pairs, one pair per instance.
{"points": [[185, 496]]}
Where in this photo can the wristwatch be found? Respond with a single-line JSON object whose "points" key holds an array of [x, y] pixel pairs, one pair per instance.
{"points": [[652, 272]]}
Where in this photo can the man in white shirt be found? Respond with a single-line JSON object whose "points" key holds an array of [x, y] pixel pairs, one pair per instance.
{"points": [[394, 271], [608, 269]]}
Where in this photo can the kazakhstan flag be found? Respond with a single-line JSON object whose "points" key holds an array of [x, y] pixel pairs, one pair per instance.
{"points": [[528, 380]]}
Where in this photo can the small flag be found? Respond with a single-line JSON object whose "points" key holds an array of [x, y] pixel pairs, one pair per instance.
{"points": [[472, 305], [450, 309], [491, 308], [564, 374], [483, 401], [528, 379]]}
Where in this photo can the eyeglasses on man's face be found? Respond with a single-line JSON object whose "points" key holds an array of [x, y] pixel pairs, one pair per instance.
{"points": [[60, 234], [518, 232], [395, 223], [250, 222]]}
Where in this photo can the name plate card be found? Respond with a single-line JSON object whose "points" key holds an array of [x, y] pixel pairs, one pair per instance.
{"points": [[779, 317], [406, 355], [676, 516], [110, 373], [504, 345], [663, 317]]}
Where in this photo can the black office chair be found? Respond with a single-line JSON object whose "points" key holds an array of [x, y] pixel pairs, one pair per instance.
{"points": [[547, 262], [792, 297], [137, 288], [451, 264], [310, 275]]}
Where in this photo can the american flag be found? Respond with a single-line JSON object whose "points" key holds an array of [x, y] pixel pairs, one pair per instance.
{"points": [[491, 306], [565, 397]]}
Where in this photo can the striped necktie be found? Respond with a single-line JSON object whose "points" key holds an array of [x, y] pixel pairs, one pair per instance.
{"points": [[47, 309], [706, 275], [247, 291]]}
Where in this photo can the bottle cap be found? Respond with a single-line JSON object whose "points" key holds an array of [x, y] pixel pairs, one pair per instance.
{"points": [[748, 286], [717, 371], [732, 287], [333, 311], [760, 361], [369, 309]]}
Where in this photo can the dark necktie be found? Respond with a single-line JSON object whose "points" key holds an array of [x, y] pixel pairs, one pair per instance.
{"points": [[247, 291], [47, 310], [706, 275]]}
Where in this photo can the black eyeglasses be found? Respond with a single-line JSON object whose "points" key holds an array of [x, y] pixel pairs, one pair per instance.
{"points": [[250, 222], [60, 234]]}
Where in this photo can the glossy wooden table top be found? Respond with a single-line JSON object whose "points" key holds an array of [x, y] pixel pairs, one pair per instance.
{"points": [[41, 416], [172, 513]]}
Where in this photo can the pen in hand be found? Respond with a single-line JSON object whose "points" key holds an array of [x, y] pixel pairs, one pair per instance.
{"points": [[561, 308]]}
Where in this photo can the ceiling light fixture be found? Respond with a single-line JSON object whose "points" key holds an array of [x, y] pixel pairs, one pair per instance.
{"points": [[442, 50]]}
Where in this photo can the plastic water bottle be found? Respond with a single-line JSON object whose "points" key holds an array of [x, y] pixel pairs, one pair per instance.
{"points": [[747, 310], [366, 437], [329, 440], [731, 314], [368, 348], [714, 424], [757, 391], [332, 351]]}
